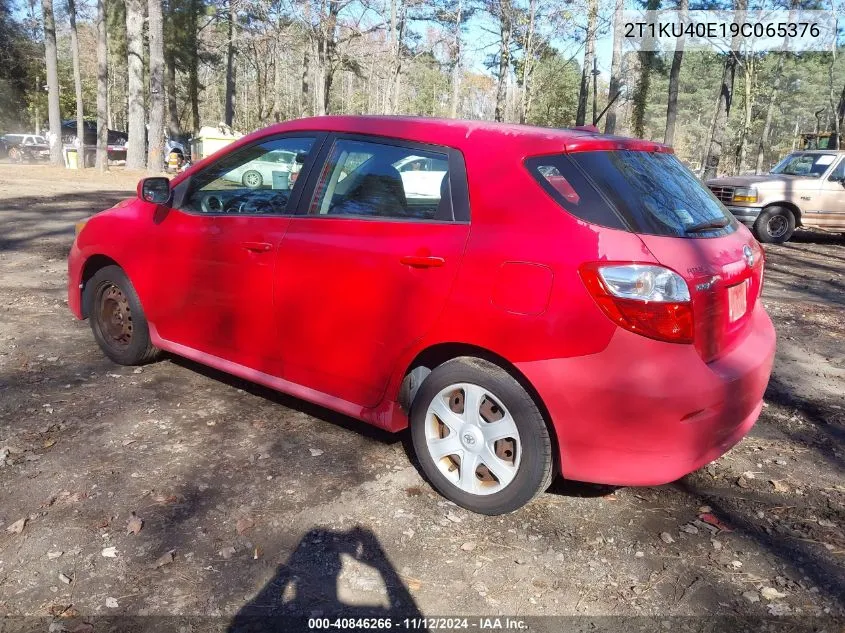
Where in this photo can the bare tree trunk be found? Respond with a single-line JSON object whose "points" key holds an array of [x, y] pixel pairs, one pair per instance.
{"points": [[456, 62], [674, 78], [53, 110], [173, 127], [644, 84], [589, 52], [527, 64], [505, 30], [840, 119], [748, 106], [193, 67], [277, 83], [723, 105], [615, 69], [77, 85], [136, 150], [397, 61], [770, 107], [306, 99], [834, 107], [229, 114], [767, 126], [155, 155], [102, 88]]}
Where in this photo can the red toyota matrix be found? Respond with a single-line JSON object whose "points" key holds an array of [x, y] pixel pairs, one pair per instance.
{"points": [[529, 301]]}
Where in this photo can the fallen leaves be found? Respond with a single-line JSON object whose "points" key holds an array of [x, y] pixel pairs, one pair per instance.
{"points": [[779, 486], [17, 526], [770, 593], [244, 524], [165, 559], [134, 524], [712, 519]]}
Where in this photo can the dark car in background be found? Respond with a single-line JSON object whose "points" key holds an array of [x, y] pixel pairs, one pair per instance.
{"points": [[24, 147], [116, 140]]}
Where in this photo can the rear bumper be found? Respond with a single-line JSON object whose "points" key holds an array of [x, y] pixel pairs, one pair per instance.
{"points": [[746, 215], [644, 413]]}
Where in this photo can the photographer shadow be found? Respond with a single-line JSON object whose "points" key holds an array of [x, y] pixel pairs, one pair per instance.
{"points": [[307, 585]]}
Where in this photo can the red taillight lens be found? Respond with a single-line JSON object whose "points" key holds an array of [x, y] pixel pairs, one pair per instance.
{"points": [[649, 300]]}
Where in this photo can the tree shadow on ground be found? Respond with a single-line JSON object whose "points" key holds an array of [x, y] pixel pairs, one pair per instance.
{"points": [[308, 584]]}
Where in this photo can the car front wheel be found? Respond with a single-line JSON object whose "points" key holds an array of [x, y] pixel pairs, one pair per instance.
{"points": [[117, 319], [774, 225], [480, 438]]}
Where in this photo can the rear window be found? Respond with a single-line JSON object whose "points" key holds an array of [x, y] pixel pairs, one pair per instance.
{"points": [[644, 192]]}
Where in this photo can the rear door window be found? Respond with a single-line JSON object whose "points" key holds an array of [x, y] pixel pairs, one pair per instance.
{"points": [[644, 192], [375, 180]]}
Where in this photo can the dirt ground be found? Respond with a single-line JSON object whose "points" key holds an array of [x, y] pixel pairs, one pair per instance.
{"points": [[177, 490]]}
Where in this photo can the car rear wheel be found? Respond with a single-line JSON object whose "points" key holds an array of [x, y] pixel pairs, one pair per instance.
{"points": [[774, 225], [480, 438], [117, 319], [252, 179]]}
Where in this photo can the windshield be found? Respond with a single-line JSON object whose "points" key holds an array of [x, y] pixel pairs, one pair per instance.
{"points": [[803, 164], [645, 192]]}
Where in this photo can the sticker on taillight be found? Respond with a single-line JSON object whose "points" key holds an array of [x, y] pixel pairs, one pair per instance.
{"points": [[738, 300]]}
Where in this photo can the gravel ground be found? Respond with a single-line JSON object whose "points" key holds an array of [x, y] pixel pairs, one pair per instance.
{"points": [[173, 489]]}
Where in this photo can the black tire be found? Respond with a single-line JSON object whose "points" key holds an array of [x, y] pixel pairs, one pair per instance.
{"points": [[774, 225], [117, 318], [252, 179], [534, 472]]}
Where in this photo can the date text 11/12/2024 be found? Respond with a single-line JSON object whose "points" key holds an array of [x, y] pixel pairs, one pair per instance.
{"points": [[493, 623]]}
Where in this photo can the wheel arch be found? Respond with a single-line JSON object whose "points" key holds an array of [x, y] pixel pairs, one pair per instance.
{"points": [[787, 205], [93, 264], [437, 354]]}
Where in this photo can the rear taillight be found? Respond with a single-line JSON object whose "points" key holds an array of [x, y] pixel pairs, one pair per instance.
{"points": [[649, 300]]}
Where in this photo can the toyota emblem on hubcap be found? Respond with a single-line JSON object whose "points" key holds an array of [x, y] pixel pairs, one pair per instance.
{"points": [[469, 438], [748, 255]]}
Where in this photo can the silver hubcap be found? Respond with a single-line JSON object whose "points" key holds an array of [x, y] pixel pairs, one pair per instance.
{"points": [[472, 439], [252, 179], [777, 225]]}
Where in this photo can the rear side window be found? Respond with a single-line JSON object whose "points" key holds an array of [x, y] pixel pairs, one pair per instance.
{"points": [[562, 179], [645, 192], [377, 180]]}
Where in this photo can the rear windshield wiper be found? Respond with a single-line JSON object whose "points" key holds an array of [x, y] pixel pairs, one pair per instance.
{"points": [[709, 225]]}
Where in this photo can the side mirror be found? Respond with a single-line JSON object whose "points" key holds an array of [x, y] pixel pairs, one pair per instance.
{"points": [[155, 190]]}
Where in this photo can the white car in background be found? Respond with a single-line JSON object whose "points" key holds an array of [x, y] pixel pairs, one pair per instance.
{"points": [[421, 176], [272, 170]]}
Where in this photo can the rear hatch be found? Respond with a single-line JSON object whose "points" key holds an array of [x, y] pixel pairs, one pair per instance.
{"points": [[680, 222]]}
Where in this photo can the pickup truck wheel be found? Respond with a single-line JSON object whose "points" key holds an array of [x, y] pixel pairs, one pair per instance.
{"points": [[774, 225]]}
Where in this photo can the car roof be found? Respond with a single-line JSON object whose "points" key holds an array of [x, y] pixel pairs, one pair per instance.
{"points": [[485, 138], [818, 151], [463, 133]]}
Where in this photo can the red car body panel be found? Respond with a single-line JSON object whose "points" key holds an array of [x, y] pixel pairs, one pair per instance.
{"points": [[325, 309]]}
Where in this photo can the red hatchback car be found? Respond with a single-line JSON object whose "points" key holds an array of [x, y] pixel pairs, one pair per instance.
{"points": [[529, 301]]}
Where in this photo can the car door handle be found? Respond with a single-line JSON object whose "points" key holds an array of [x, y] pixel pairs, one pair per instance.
{"points": [[257, 247], [422, 261]]}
